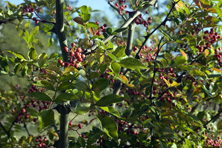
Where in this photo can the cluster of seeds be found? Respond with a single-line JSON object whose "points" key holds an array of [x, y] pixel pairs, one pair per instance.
{"points": [[141, 21], [100, 29], [209, 38], [217, 55], [41, 142], [75, 56], [121, 6]]}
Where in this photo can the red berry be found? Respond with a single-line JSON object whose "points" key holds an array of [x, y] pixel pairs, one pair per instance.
{"points": [[83, 56], [73, 45], [66, 49], [105, 25], [79, 50], [97, 23], [60, 61], [80, 125], [23, 110], [71, 53]]}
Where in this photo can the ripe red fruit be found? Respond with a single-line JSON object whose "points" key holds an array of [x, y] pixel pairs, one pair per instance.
{"points": [[79, 50], [97, 23], [70, 123], [71, 53], [80, 125], [23, 110], [105, 25], [60, 61], [13, 111], [73, 45], [76, 65], [83, 56], [84, 136], [66, 49]]}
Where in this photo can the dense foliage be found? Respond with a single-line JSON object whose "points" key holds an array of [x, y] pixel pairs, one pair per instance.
{"points": [[163, 90]]}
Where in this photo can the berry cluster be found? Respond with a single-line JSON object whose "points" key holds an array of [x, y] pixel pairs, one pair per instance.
{"points": [[214, 143], [120, 6], [76, 56], [100, 29], [146, 53], [209, 38], [23, 115], [30, 9], [218, 56], [141, 21], [27, 9], [41, 142]]}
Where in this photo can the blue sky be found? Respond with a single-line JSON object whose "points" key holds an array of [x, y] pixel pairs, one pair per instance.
{"points": [[94, 4]]}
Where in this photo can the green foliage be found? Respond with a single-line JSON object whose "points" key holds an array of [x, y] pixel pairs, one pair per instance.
{"points": [[166, 93]]}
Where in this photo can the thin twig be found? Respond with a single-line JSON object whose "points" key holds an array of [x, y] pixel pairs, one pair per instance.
{"points": [[116, 10], [148, 35], [155, 63]]}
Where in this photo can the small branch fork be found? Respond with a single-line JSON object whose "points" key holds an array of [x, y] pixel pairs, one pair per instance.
{"points": [[126, 24], [148, 35]]}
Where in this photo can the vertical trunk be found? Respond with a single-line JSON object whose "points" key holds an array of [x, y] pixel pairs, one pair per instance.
{"points": [[64, 109]]}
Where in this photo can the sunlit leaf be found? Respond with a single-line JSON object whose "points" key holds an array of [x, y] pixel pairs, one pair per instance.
{"points": [[109, 125]]}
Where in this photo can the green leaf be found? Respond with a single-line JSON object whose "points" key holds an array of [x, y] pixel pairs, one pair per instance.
{"points": [[27, 24], [111, 110], [4, 64], [66, 77], [81, 86], [46, 118], [35, 30], [42, 59], [109, 99], [109, 125], [132, 63], [66, 86], [166, 34], [179, 60], [17, 67], [111, 56], [65, 97], [53, 55], [109, 30], [120, 51], [84, 9], [115, 68], [82, 108], [19, 55], [86, 17], [219, 12], [94, 75], [91, 25], [41, 96], [47, 85], [50, 41], [32, 54], [100, 85], [219, 125]]}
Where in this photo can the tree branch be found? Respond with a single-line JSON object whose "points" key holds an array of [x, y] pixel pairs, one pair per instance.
{"points": [[148, 35], [126, 24], [64, 109]]}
